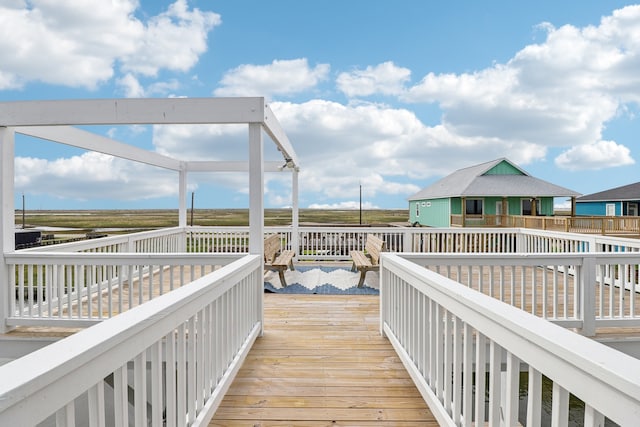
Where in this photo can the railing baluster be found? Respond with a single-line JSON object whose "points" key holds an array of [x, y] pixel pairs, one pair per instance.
{"points": [[481, 360], [96, 405], [495, 384], [534, 398], [560, 406]]}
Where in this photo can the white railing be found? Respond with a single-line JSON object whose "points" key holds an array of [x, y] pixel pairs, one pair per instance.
{"points": [[165, 240], [335, 243], [576, 290], [218, 239], [177, 354], [73, 289], [460, 346], [65, 286]]}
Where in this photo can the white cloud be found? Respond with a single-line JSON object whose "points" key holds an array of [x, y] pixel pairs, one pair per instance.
{"points": [[173, 40], [349, 143], [131, 86], [385, 78], [93, 175], [558, 93], [555, 95], [80, 43], [600, 155], [281, 77]]}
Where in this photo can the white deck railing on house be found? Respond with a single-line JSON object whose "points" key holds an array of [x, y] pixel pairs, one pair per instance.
{"points": [[165, 240], [178, 353], [70, 289], [576, 290], [452, 338], [62, 284], [335, 243]]}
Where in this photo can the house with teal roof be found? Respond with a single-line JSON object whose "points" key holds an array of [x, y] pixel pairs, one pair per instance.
{"points": [[480, 195]]}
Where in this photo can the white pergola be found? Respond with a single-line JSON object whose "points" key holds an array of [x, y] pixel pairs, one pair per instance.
{"points": [[55, 121]]}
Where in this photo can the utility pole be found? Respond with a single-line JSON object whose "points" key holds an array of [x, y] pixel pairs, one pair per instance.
{"points": [[23, 207]]}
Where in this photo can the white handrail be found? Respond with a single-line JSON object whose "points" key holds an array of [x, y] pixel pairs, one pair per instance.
{"points": [[186, 345], [164, 240], [327, 243], [444, 331], [577, 290], [77, 289]]}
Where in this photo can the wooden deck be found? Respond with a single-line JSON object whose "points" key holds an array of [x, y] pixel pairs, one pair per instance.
{"points": [[322, 362]]}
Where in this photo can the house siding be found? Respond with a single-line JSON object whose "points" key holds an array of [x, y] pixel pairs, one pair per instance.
{"points": [[546, 206], [591, 208], [430, 213], [503, 168], [456, 206], [599, 208]]}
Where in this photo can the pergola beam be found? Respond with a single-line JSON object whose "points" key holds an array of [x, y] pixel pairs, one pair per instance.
{"points": [[279, 137], [79, 138], [224, 166], [129, 111], [156, 111]]}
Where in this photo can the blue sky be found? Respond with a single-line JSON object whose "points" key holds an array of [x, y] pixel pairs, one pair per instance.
{"points": [[390, 96]]}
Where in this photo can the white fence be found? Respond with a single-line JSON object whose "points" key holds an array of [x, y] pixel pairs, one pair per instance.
{"points": [[73, 289], [577, 290], [177, 353], [165, 240], [84, 282], [465, 350], [334, 243], [62, 283]]}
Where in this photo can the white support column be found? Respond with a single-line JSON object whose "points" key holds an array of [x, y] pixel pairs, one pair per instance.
{"points": [[182, 205], [7, 220], [295, 236], [256, 204], [182, 195], [256, 189]]}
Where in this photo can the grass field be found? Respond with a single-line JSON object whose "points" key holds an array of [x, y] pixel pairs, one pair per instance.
{"points": [[88, 220]]}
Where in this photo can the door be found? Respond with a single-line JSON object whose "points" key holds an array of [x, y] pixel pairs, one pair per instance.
{"points": [[633, 209], [499, 213]]}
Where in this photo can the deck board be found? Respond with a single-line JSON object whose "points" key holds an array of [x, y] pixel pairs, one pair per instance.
{"points": [[321, 362]]}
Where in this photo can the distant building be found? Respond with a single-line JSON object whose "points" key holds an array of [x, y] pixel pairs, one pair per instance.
{"points": [[619, 201], [493, 189]]}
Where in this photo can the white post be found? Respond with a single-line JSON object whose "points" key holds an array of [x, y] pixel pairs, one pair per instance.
{"points": [[407, 242], [256, 204], [7, 221], [182, 203], [295, 236], [587, 288], [256, 189], [182, 195]]}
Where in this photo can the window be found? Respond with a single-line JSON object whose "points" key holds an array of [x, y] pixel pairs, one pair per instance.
{"points": [[417, 209], [525, 206], [473, 207]]}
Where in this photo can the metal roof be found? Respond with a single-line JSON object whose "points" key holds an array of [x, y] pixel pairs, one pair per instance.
{"points": [[623, 193], [472, 182]]}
